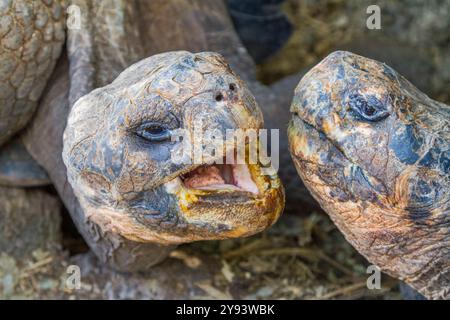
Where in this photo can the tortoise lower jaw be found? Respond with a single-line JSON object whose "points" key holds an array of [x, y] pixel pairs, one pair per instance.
{"points": [[229, 211]]}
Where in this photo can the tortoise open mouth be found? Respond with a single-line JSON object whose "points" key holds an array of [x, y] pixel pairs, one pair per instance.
{"points": [[223, 182], [232, 200], [232, 177], [240, 181]]}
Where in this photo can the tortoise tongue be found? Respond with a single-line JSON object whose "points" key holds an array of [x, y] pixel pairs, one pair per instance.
{"points": [[204, 176], [220, 176]]}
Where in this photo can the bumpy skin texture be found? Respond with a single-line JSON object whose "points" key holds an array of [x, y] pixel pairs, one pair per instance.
{"points": [[122, 180], [374, 151], [31, 39]]}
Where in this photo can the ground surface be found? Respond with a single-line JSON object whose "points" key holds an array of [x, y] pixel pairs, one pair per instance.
{"points": [[301, 257]]}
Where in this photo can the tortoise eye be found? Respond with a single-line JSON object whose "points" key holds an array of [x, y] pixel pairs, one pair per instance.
{"points": [[153, 132], [368, 108]]}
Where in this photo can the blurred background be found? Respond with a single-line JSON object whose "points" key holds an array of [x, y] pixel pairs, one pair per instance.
{"points": [[414, 38]]}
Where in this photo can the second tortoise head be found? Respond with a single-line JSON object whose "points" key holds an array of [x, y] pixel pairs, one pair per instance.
{"points": [[374, 151], [371, 116]]}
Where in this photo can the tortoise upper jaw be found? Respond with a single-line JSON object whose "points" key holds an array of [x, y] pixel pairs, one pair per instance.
{"points": [[309, 142], [315, 156]]}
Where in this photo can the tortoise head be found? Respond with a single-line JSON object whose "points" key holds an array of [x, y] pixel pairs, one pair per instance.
{"points": [[374, 151], [127, 161]]}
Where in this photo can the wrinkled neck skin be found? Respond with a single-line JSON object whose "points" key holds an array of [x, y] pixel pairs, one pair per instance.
{"points": [[415, 250], [420, 257], [417, 254], [194, 25]]}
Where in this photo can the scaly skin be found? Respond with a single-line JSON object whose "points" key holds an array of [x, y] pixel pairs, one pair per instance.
{"points": [[31, 39], [375, 153]]}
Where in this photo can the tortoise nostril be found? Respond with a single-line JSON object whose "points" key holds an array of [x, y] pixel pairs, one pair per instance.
{"points": [[232, 86], [219, 97]]}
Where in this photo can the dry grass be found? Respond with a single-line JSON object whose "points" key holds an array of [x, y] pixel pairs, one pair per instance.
{"points": [[299, 258]]}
